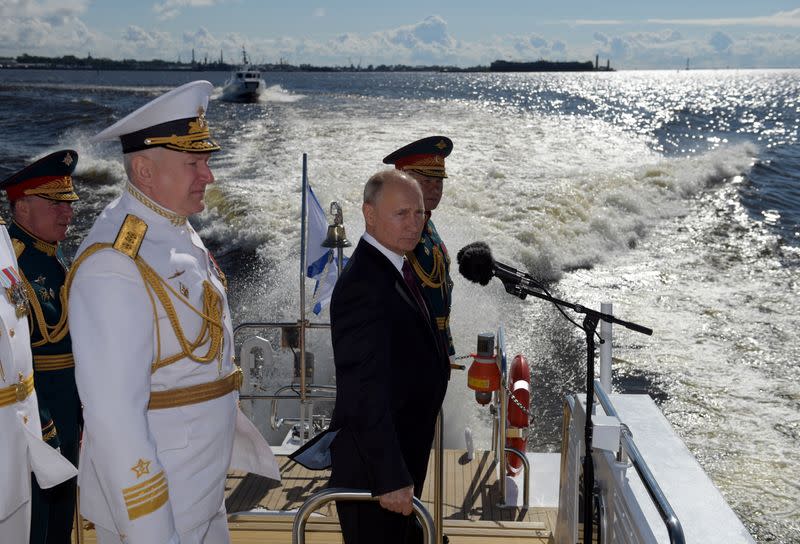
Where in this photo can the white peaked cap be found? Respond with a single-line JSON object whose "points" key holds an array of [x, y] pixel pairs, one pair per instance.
{"points": [[175, 120]]}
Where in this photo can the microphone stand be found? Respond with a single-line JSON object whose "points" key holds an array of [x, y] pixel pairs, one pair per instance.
{"points": [[523, 286]]}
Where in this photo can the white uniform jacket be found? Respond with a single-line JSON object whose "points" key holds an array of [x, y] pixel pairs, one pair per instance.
{"points": [[21, 445], [148, 473]]}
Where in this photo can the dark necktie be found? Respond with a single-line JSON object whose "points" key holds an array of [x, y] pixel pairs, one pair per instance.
{"points": [[411, 282]]}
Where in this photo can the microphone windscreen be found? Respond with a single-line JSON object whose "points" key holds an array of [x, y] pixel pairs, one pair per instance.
{"points": [[475, 262]]}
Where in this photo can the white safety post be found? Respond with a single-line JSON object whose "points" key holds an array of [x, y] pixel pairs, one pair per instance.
{"points": [[605, 348]]}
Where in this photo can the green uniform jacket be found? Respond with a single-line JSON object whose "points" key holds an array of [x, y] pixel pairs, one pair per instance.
{"points": [[431, 264], [44, 270]]}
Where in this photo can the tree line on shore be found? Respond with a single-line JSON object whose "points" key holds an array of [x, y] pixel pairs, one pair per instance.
{"points": [[71, 62]]}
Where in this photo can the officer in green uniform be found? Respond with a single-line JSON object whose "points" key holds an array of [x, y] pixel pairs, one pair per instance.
{"points": [[424, 161], [41, 197]]}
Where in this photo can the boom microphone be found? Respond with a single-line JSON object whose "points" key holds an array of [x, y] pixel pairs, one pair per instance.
{"points": [[475, 263]]}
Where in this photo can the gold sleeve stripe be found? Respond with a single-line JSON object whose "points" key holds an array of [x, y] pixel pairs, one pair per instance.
{"points": [[133, 490], [146, 497], [47, 427], [44, 363]]}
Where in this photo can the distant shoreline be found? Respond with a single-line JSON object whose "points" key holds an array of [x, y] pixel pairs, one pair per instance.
{"points": [[69, 62]]}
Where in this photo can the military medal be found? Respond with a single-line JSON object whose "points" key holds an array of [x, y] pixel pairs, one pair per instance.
{"points": [[218, 271], [15, 291]]}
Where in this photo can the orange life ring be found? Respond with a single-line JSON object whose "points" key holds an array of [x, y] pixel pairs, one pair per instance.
{"points": [[517, 419]]}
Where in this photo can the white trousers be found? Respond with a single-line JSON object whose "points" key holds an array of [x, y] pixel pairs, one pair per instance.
{"points": [[214, 531], [16, 528]]}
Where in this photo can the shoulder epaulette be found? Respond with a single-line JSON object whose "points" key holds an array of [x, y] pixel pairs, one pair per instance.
{"points": [[130, 236], [19, 247]]}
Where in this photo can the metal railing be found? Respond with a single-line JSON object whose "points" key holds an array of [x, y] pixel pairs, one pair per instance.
{"points": [[502, 413], [526, 474], [276, 422], [668, 516], [302, 389], [351, 495], [499, 429]]}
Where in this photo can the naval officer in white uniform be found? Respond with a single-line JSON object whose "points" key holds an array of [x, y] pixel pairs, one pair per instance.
{"points": [[153, 343], [21, 446]]}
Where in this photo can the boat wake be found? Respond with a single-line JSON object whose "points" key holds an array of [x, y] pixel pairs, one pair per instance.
{"points": [[276, 93]]}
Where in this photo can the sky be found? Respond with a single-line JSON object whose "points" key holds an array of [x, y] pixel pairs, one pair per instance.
{"points": [[642, 34]]}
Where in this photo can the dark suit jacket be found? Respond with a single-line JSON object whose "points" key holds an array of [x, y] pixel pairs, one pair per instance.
{"points": [[391, 378]]}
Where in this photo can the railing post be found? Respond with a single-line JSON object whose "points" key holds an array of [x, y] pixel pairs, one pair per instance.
{"points": [[502, 414], [526, 475], [341, 494], [302, 322], [605, 347]]}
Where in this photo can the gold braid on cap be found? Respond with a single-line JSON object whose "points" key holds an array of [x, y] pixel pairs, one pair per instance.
{"points": [[183, 143], [196, 138], [52, 188], [430, 165]]}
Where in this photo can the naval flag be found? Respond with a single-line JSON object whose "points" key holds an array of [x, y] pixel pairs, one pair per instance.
{"points": [[320, 261]]}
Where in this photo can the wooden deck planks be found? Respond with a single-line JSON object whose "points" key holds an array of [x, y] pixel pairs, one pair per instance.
{"points": [[471, 512]]}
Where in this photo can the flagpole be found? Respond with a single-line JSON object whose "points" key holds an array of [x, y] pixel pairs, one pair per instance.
{"points": [[302, 335]]}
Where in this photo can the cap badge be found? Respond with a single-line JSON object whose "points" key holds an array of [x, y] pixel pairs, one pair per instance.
{"points": [[199, 125], [441, 144], [67, 159]]}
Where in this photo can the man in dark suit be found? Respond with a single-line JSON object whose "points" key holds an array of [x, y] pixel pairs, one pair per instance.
{"points": [[391, 372]]}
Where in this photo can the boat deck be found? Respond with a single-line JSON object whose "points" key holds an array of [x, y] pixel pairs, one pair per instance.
{"points": [[260, 509]]}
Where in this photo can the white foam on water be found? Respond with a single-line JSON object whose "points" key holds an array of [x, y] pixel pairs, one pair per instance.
{"points": [[549, 194], [276, 93]]}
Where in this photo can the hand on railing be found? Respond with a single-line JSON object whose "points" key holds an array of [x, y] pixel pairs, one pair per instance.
{"points": [[399, 500], [339, 494]]}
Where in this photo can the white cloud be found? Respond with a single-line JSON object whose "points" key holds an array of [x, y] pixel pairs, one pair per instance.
{"points": [[170, 9], [146, 43], [48, 9], [721, 42], [790, 19], [598, 22], [781, 19], [537, 41], [429, 42], [44, 28], [669, 49], [57, 30]]}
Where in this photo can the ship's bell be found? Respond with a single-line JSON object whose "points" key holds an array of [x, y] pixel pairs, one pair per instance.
{"points": [[336, 236]]}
